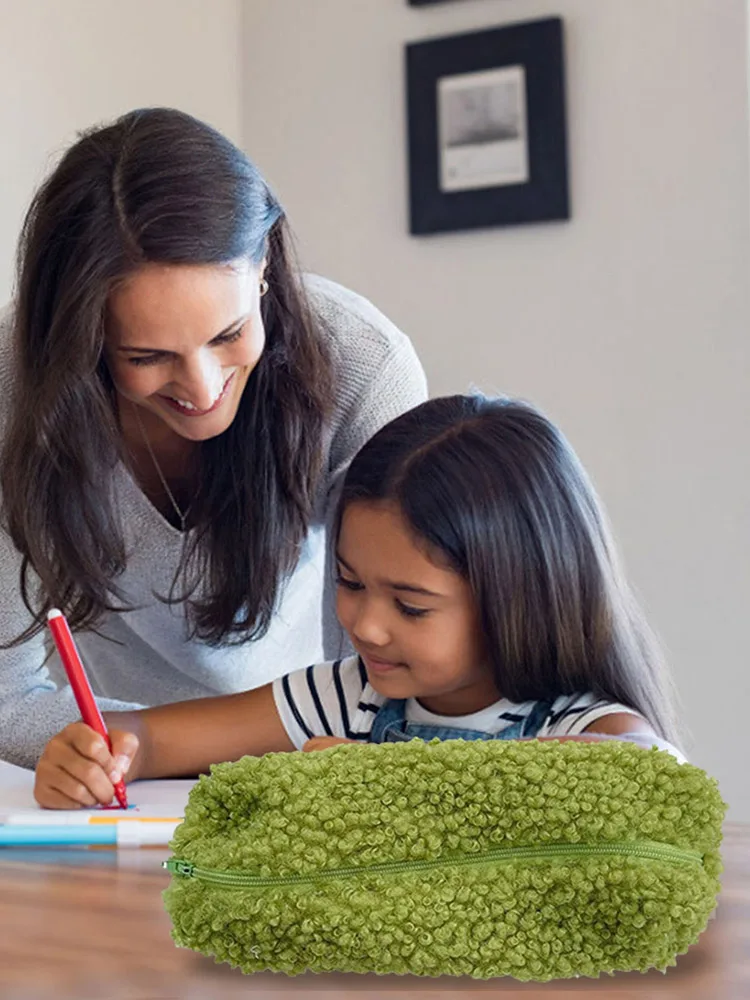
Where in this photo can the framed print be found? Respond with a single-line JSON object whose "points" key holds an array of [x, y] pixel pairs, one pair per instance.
{"points": [[487, 132]]}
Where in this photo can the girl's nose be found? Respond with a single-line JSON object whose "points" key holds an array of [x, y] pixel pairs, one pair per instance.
{"points": [[368, 627], [201, 381]]}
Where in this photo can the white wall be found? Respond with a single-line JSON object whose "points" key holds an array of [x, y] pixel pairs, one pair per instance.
{"points": [[630, 324], [69, 64]]}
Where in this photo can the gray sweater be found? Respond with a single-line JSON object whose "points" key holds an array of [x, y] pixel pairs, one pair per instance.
{"points": [[151, 661]]}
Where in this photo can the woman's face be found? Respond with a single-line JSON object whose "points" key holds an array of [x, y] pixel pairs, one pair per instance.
{"points": [[182, 340], [413, 620]]}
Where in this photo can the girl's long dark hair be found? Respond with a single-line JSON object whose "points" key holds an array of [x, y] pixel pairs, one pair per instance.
{"points": [[156, 186], [492, 487]]}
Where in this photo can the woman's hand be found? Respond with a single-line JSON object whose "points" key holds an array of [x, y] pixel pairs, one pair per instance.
{"points": [[77, 769], [323, 742]]}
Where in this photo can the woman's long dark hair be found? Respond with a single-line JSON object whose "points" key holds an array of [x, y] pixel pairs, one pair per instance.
{"points": [[494, 489], [156, 186]]}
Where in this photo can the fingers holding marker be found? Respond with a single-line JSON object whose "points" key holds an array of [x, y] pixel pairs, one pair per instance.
{"points": [[49, 797], [91, 740], [81, 775], [124, 748], [77, 768], [86, 743], [56, 788]]}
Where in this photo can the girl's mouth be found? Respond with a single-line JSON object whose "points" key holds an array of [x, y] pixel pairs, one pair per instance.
{"points": [[186, 409], [380, 666]]}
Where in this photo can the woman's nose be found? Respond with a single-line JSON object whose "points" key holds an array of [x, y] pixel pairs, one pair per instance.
{"points": [[201, 380]]}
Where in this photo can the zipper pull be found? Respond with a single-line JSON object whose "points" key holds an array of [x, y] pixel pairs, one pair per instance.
{"points": [[185, 868]]}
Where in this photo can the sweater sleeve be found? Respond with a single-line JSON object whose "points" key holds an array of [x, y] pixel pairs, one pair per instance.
{"points": [[33, 708]]}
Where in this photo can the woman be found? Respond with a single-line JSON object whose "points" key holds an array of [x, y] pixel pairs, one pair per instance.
{"points": [[177, 409]]}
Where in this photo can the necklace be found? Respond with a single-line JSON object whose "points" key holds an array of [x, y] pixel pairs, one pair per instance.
{"points": [[182, 515]]}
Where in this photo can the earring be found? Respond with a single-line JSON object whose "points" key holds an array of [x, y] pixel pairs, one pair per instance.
{"points": [[263, 286]]}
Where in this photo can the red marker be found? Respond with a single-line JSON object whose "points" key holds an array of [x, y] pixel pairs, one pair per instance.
{"points": [[81, 688]]}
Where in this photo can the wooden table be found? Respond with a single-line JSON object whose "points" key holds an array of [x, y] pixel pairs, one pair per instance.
{"points": [[90, 924]]}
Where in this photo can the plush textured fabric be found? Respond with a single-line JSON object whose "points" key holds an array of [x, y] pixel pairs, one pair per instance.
{"points": [[287, 815]]}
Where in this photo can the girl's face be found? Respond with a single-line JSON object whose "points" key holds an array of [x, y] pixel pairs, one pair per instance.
{"points": [[412, 620], [182, 341]]}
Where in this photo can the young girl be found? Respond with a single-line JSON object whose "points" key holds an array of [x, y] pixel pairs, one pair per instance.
{"points": [[479, 586]]}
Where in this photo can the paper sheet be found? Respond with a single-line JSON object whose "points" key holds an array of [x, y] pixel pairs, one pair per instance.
{"points": [[150, 799]]}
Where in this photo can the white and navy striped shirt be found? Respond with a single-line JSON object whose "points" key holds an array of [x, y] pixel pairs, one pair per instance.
{"points": [[336, 699]]}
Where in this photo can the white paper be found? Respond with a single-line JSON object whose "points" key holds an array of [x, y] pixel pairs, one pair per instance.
{"points": [[150, 799]]}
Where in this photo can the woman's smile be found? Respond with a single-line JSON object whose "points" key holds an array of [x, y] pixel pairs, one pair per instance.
{"points": [[187, 409]]}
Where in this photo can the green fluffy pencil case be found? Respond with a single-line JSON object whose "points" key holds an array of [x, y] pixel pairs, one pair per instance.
{"points": [[537, 860]]}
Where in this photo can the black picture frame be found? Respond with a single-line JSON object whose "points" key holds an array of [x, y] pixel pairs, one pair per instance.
{"points": [[523, 61]]}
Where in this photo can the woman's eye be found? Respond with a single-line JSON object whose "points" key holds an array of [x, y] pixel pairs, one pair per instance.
{"points": [[155, 359], [409, 611], [229, 338], [149, 359], [348, 584]]}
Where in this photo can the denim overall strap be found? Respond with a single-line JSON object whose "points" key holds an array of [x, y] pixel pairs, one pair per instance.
{"points": [[390, 726], [390, 715]]}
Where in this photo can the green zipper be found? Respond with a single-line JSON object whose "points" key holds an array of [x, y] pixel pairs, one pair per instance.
{"points": [[642, 849]]}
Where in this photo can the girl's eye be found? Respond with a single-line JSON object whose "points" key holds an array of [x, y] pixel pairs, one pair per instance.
{"points": [[341, 581], [154, 359], [409, 611]]}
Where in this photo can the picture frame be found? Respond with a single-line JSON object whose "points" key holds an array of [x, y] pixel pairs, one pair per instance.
{"points": [[487, 137]]}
